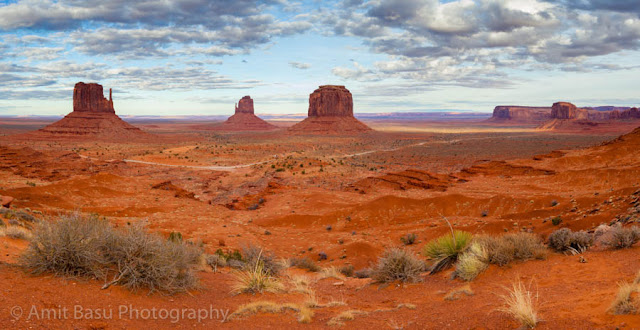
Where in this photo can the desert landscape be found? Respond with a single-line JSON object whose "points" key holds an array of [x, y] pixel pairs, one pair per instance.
{"points": [[398, 164], [319, 207]]}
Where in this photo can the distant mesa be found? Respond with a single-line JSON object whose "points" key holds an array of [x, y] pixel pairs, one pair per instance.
{"points": [[632, 113], [330, 112], [520, 113], [93, 116], [244, 119]]}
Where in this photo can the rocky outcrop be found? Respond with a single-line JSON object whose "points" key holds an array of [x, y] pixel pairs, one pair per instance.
{"points": [[520, 113], [632, 113], [93, 117], [330, 112], [331, 101], [243, 119], [5, 201], [245, 105], [90, 98], [563, 110]]}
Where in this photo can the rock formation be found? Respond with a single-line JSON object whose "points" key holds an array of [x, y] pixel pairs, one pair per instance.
{"points": [[632, 113], [93, 116], [5, 201], [520, 113], [330, 111], [563, 110], [244, 119]]}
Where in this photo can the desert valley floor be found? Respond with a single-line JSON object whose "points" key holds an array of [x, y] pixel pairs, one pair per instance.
{"points": [[346, 197]]}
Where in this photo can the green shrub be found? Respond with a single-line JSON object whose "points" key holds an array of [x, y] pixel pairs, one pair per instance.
{"points": [[556, 220], [446, 248], [408, 239], [398, 265]]}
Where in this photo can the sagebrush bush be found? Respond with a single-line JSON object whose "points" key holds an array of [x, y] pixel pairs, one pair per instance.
{"points": [[619, 237], [90, 247], [510, 247], [398, 265], [445, 249], [564, 239]]}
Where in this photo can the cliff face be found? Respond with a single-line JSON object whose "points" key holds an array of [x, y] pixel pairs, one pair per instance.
{"points": [[330, 112], [90, 98], [331, 101], [245, 105], [632, 113], [521, 114], [563, 110]]}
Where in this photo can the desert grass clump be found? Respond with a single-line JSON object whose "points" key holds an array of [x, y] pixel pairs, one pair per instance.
{"points": [[15, 232], [331, 272], [409, 239], [625, 303], [564, 239], [458, 293], [446, 249], [253, 254], [520, 303], [347, 270], [256, 280], [305, 314], [304, 263], [472, 262], [619, 237], [398, 265]]}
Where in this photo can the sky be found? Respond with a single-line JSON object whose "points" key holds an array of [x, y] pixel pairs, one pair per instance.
{"points": [[198, 57]]}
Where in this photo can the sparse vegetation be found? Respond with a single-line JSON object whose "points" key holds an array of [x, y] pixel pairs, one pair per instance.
{"points": [[619, 237], [409, 239], [511, 247], [457, 293], [304, 314], [446, 249], [398, 265], [521, 304], [15, 232], [564, 240], [90, 247], [472, 262], [255, 280], [347, 270], [625, 303], [304, 263], [556, 221], [253, 254]]}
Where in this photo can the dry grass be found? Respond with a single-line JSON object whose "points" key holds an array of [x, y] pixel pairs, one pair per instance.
{"points": [[625, 302], [472, 262], [398, 265], [338, 321], [300, 283], [15, 232], [457, 293], [331, 272], [521, 305], [304, 263], [255, 280], [511, 247], [305, 315]]}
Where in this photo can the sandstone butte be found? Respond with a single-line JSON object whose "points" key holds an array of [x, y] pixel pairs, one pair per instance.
{"points": [[330, 112], [244, 119], [93, 116]]}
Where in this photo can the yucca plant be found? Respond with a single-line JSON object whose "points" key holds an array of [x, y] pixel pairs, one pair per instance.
{"points": [[446, 249]]}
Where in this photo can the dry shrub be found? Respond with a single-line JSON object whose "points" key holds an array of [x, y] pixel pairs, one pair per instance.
{"points": [[304, 263], [565, 240], [347, 270], [143, 260], [472, 262], [90, 247], [304, 314], [253, 254], [398, 265], [511, 247], [520, 304], [331, 272], [71, 246], [619, 237], [457, 293], [625, 303], [338, 321], [363, 273]]}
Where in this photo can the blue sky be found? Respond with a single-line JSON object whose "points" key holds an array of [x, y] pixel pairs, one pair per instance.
{"points": [[197, 57]]}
